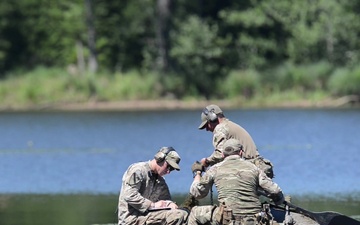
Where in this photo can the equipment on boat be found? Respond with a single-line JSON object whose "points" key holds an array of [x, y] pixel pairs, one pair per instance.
{"points": [[322, 218]]}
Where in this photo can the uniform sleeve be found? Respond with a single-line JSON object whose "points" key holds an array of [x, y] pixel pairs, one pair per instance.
{"points": [[132, 185], [200, 189], [219, 137], [271, 188], [215, 157]]}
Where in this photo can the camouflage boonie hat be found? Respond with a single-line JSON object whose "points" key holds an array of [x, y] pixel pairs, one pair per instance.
{"points": [[210, 108], [173, 159], [232, 146]]}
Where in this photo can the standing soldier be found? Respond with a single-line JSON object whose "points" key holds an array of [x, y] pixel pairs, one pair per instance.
{"points": [[213, 120]]}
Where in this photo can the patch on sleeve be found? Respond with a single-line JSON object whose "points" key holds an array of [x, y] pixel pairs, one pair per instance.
{"points": [[134, 178], [220, 134]]}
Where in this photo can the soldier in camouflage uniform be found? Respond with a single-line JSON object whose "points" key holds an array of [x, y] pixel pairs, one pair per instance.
{"points": [[213, 119], [237, 181], [144, 192]]}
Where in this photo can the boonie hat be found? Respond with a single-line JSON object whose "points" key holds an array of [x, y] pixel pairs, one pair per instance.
{"points": [[204, 119], [173, 159], [231, 146]]}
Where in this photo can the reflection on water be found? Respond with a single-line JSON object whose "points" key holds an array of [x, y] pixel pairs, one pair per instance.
{"points": [[100, 209]]}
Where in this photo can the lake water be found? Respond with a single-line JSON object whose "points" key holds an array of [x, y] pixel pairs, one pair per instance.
{"points": [[314, 151]]}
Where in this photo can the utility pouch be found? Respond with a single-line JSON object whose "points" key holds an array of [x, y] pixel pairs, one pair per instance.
{"points": [[224, 214], [227, 215], [219, 214]]}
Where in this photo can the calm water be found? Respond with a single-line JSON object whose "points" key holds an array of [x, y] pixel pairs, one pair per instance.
{"points": [[313, 151]]}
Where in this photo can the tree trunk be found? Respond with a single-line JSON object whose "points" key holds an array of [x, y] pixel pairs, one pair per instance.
{"points": [[162, 32], [80, 57], [93, 64]]}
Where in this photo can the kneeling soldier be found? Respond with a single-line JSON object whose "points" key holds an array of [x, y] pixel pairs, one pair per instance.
{"points": [[237, 182]]}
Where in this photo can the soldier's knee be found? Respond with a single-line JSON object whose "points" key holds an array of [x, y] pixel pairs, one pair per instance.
{"points": [[178, 215]]}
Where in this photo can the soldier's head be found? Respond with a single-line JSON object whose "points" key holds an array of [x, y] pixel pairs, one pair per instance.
{"points": [[232, 147], [167, 160], [209, 117]]}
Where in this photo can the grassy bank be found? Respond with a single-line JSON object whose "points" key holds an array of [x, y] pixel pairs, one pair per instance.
{"points": [[45, 88]]}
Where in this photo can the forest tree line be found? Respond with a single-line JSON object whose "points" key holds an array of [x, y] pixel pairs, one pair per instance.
{"points": [[214, 48]]}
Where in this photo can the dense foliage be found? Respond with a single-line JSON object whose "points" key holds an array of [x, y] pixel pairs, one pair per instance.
{"points": [[189, 48]]}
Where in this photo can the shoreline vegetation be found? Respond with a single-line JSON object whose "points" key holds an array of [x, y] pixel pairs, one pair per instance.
{"points": [[104, 56], [163, 104], [55, 89]]}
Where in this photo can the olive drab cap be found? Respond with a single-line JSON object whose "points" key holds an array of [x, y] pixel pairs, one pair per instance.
{"points": [[232, 146], [204, 114], [173, 159]]}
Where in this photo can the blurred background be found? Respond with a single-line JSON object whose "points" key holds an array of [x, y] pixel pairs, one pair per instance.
{"points": [[249, 51], [286, 70]]}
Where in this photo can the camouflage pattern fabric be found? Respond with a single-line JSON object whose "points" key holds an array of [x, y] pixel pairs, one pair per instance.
{"points": [[203, 215], [265, 165], [170, 217], [236, 181], [207, 215], [189, 202], [227, 130], [140, 187]]}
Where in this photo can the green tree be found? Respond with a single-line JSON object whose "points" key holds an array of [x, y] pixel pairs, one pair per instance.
{"points": [[268, 32], [40, 32], [125, 33], [199, 55]]}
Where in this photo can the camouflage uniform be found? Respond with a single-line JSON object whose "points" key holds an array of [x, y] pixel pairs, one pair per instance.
{"points": [[236, 181], [140, 187], [227, 130]]}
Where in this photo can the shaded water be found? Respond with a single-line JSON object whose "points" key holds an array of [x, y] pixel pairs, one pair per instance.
{"points": [[81, 156]]}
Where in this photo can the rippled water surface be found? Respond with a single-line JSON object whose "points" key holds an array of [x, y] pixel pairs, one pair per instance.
{"points": [[313, 151]]}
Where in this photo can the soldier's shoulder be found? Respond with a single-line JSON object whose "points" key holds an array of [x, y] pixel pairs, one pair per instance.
{"points": [[137, 167], [221, 128], [214, 168], [249, 163]]}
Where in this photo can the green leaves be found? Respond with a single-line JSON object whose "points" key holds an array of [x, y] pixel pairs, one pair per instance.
{"points": [[198, 52]]}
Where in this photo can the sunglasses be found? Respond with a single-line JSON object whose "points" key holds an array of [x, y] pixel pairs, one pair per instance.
{"points": [[169, 168]]}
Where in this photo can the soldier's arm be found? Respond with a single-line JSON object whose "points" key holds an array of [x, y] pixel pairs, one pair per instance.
{"points": [[219, 137], [214, 158], [271, 188], [200, 186], [131, 192]]}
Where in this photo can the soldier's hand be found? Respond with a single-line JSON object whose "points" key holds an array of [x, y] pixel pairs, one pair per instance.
{"points": [[279, 199], [197, 166], [159, 204], [204, 162], [173, 205]]}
